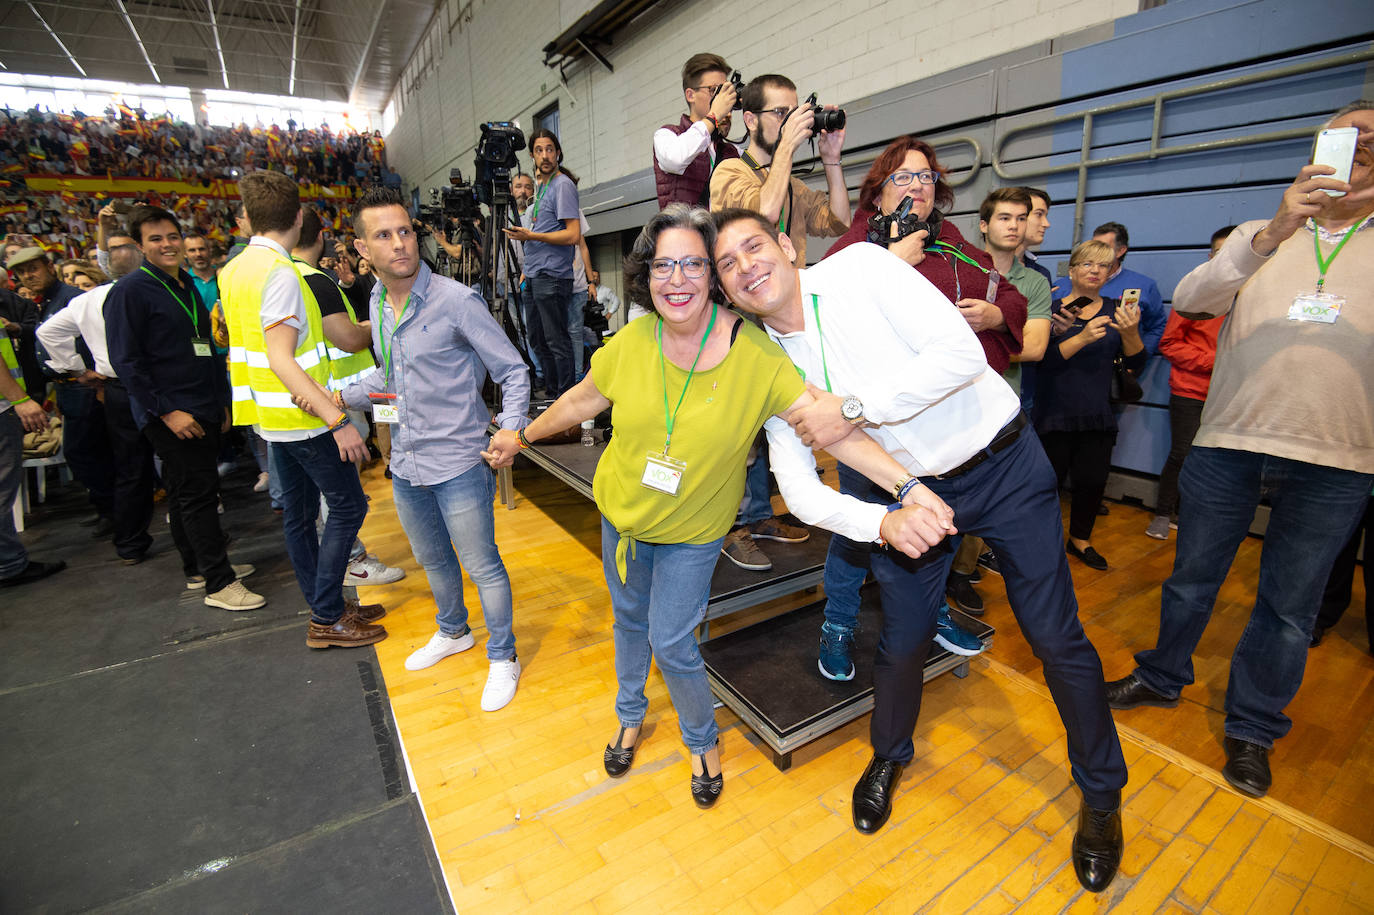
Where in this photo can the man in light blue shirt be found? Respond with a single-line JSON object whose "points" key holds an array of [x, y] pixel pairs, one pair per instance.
{"points": [[438, 343]]}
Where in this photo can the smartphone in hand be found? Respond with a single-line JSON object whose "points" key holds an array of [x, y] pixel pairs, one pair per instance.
{"points": [[1335, 146]]}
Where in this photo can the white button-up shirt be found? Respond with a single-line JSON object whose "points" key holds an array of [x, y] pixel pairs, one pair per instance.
{"points": [[84, 316], [890, 338]]}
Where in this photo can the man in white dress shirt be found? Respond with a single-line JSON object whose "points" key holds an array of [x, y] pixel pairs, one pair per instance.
{"points": [[881, 347], [84, 317]]}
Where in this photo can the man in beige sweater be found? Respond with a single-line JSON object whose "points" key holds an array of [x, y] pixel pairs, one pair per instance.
{"points": [[1290, 414]]}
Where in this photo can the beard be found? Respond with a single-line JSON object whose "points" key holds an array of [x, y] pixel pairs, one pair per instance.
{"points": [[756, 140]]}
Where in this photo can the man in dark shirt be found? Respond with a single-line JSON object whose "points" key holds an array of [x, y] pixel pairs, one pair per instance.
{"points": [[19, 319], [85, 443], [158, 332]]}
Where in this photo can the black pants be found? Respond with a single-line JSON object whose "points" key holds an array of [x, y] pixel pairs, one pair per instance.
{"points": [[85, 444], [133, 474], [1009, 500], [188, 471], [1336, 597], [1087, 456], [1185, 415]]}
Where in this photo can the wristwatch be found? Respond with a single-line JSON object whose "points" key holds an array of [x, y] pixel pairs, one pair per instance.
{"points": [[852, 409]]}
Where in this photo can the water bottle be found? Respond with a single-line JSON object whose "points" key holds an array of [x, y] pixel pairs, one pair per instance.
{"points": [[588, 439]]}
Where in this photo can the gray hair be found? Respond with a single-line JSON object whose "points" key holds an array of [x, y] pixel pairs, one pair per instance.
{"points": [[673, 216], [1360, 104]]}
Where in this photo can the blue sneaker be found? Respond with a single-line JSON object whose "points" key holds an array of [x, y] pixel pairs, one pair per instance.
{"points": [[834, 662], [951, 638]]}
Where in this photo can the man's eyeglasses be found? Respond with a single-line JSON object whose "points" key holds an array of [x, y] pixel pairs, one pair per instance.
{"points": [[781, 112], [693, 268], [903, 178], [714, 90]]}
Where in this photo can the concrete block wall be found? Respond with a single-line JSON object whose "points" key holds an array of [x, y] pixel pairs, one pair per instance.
{"points": [[488, 65]]}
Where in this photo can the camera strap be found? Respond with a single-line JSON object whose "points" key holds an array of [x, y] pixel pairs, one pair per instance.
{"points": [[782, 216]]}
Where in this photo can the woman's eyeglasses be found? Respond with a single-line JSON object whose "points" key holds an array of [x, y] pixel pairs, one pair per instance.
{"points": [[903, 178], [694, 268]]}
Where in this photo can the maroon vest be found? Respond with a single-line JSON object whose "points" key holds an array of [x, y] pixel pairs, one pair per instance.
{"points": [[690, 187]]}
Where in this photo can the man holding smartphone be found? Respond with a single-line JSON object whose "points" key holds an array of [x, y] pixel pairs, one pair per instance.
{"points": [[1287, 414]]}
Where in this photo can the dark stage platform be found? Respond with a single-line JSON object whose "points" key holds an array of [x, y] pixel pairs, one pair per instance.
{"points": [[161, 755]]}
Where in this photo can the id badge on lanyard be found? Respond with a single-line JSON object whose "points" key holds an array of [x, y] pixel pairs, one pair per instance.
{"points": [[1316, 308], [662, 472], [201, 347], [385, 408]]}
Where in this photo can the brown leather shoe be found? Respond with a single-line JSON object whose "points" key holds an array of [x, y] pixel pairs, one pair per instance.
{"points": [[367, 613], [348, 632]]}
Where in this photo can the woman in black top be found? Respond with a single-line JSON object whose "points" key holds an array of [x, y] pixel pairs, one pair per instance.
{"points": [[1073, 410]]}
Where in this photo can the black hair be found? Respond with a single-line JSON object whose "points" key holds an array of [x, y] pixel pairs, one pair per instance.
{"points": [[143, 214]]}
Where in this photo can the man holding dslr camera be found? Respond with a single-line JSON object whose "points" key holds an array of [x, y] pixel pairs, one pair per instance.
{"points": [[761, 179], [686, 153]]}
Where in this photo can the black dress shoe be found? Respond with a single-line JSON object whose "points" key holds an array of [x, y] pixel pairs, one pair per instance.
{"points": [[1090, 557], [619, 758], [1247, 767], [706, 787], [1129, 692], [33, 572], [873, 794], [960, 591], [1097, 847]]}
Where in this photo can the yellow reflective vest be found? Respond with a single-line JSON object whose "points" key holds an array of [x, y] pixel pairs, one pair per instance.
{"points": [[258, 395], [345, 367], [11, 361]]}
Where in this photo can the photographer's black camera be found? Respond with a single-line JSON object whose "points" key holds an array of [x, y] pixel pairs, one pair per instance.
{"points": [[497, 156], [457, 201], [738, 82], [826, 118]]}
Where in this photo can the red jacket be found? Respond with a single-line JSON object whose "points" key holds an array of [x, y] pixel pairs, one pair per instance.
{"points": [[1191, 348], [968, 283]]}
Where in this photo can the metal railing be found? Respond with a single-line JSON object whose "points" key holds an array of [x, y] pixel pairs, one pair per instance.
{"points": [[1157, 151]]}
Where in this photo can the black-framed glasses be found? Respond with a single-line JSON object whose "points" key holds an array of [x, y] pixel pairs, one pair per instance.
{"points": [[714, 90], [903, 178], [781, 112], [694, 268]]}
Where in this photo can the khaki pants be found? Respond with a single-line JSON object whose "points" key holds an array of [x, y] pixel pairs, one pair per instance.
{"points": [[966, 560]]}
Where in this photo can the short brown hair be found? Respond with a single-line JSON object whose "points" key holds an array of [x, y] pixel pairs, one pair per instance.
{"points": [[378, 195], [698, 64], [1003, 195], [311, 226], [752, 97], [270, 199], [732, 215]]}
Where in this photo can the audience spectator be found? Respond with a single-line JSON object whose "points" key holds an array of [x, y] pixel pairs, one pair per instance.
{"points": [[1153, 314]]}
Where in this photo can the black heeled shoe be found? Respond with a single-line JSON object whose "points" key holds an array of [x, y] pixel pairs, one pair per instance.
{"points": [[619, 758], [706, 788]]}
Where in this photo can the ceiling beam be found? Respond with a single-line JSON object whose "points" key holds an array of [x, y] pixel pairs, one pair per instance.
{"points": [[367, 50], [39, 16], [138, 39], [219, 48], [295, 39]]}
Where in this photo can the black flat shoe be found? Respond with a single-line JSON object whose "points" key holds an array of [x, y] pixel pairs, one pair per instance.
{"points": [[1090, 557], [619, 758], [34, 571], [706, 788], [873, 794], [1097, 847], [1247, 767], [1129, 692]]}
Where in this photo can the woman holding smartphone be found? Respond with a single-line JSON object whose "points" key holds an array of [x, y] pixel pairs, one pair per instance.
{"points": [[1073, 411]]}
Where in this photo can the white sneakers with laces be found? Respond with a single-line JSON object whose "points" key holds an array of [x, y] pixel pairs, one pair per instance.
{"points": [[372, 571], [502, 679], [438, 648]]}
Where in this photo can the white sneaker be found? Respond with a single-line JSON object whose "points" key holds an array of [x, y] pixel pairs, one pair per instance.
{"points": [[501, 682], [235, 596], [241, 570], [438, 648], [262, 484], [372, 571]]}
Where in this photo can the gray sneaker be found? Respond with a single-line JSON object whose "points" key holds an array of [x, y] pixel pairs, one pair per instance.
{"points": [[1159, 528], [740, 549]]}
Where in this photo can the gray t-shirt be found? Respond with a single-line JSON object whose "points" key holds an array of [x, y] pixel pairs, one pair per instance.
{"points": [[557, 202]]}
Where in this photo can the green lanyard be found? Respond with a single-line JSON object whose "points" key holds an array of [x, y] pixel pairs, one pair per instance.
{"points": [[825, 369], [544, 189], [782, 213], [947, 248], [670, 419], [195, 318], [1324, 265], [383, 338]]}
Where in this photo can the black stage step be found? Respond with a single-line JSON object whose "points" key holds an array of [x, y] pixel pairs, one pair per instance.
{"points": [[767, 675]]}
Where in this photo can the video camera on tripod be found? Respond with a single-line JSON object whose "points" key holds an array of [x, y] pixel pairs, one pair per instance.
{"points": [[497, 155]]}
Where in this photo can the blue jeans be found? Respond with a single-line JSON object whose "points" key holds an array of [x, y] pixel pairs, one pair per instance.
{"points": [[535, 347], [457, 515], [579, 302], [1313, 510], [273, 481], [657, 610], [1010, 500], [757, 504], [307, 470], [13, 557], [552, 299]]}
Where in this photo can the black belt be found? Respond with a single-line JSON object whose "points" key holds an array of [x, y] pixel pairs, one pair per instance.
{"points": [[1001, 442]]}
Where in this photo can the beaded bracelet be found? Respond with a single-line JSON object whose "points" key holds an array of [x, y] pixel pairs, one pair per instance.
{"points": [[524, 442], [907, 487], [338, 423]]}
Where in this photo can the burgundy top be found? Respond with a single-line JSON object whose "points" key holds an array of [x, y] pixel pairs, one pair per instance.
{"points": [[968, 283]]}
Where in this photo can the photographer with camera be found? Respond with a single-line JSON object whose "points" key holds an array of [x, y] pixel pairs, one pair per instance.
{"points": [[761, 179], [549, 245], [686, 153]]}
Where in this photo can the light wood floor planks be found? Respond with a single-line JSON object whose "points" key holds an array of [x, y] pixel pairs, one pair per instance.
{"points": [[525, 819]]}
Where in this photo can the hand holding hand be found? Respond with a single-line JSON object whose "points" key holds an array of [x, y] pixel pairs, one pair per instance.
{"points": [[922, 495], [912, 530], [505, 445]]}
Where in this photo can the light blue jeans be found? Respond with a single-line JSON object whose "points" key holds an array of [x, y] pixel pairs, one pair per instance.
{"points": [[457, 515], [657, 610], [579, 346]]}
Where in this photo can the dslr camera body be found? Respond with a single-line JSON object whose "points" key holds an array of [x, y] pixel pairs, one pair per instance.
{"points": [[880, 225]]}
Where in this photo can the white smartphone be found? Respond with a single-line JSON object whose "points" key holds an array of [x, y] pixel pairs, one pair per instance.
{"points": [[1130, 297], [1335, 147]]}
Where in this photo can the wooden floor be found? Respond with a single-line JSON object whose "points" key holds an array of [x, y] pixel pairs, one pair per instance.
{"points": [[524, 818]]}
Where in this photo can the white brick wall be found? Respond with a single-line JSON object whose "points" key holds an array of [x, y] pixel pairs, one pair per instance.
{"points": [[491, 67]]}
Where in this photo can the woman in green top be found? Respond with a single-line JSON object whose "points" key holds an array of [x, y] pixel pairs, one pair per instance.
{"points": [[689, 390]]}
